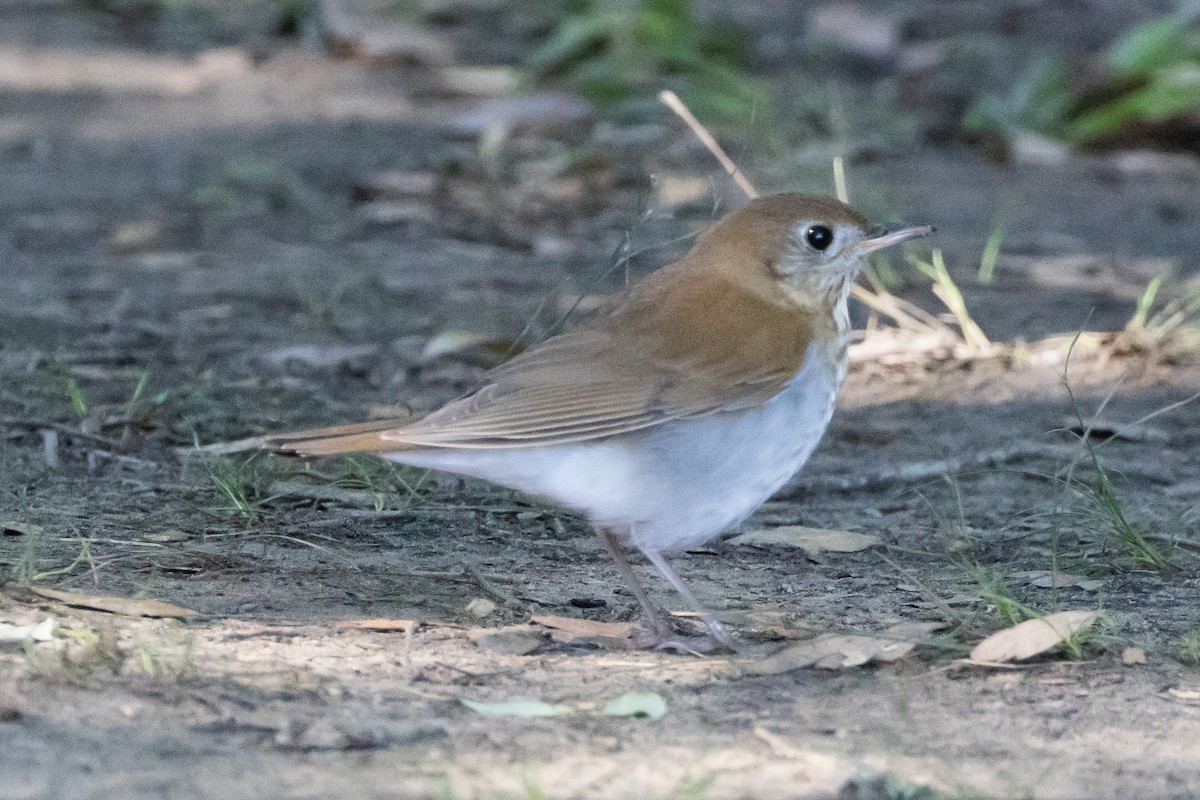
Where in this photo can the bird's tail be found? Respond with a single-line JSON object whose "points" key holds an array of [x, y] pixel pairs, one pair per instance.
{"points": [[363, 437]]}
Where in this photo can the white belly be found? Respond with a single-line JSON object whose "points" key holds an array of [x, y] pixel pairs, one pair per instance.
{"points": [[674, 485]]}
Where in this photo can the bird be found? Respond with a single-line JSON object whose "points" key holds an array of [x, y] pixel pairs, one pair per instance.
{"points": [[674, 412]]}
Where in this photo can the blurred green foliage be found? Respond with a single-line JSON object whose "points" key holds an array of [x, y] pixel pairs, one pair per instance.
{"points": [[1150, 75], [620, 53]]}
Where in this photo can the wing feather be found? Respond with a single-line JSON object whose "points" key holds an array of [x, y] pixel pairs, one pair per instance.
{"points": [[670, 353], [715, 331]]}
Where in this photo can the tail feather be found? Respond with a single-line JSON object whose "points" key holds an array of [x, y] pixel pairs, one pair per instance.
{"points": [[363, 437]]}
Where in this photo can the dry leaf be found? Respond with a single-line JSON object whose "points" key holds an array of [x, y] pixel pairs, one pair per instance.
{"points": [[116, 605], [168, 536], [1031, 637], [381, 625], [42, 632], [1133, 655], [514, 640], [487, 81], [635, 704], [765, 622], [353, 498], [1046, 579], [1188, 696], [839, 651], [13, 528], [569, 629], [519, 708], [810, 540], [673, 191]]}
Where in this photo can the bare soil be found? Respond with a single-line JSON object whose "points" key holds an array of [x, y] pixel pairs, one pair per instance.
{"points": [[196, 222]]}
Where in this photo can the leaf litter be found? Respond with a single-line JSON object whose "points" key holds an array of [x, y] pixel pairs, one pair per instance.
{"points": [[810, 540], [124, 606], [843, 651], [1032, 637], [638, 705]]}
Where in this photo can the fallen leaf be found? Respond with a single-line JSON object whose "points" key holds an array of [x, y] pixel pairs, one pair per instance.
{"points": [[810, 540], [353, 498], [13, 528], [514, 640], [1133, 655], [1031, 637], [765, 623], [381, 625], [487, 81], [519, 708], [634, 704], [166, 537], [42, 632], [569, 629], [116, 605], [839, 651], [1046, 579], [1188, 696], [674, 191]]}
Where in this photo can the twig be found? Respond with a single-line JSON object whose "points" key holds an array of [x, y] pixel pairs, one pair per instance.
{"points": [[133, 461], [672, 101], [50, 447], [66, 430]]}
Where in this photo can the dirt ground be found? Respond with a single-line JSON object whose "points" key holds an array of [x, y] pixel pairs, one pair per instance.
{"points": [[244, 235]]}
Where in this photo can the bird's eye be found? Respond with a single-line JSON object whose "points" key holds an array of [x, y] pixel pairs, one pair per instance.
{"points": [[819, 237]]}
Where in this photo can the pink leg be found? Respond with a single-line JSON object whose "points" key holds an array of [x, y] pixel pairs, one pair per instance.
{"points": [[662, 637]]}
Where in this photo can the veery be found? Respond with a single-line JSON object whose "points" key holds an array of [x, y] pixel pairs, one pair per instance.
{"points": [[678, 411]]}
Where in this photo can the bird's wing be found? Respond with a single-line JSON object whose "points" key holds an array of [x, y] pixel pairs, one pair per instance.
{"points": [[676, 349], [670, 353]]}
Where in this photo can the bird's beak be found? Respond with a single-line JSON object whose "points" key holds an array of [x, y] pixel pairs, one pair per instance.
{"points": [[888, 239]]}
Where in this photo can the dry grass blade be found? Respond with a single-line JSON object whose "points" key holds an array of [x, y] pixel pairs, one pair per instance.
{"points": [[672, 101], [952, 298]]}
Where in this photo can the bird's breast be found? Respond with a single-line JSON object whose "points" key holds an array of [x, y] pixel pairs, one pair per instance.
{"points": [[700, 476]]}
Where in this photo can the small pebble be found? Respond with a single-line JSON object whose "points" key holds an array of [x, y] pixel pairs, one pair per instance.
{"points": [[480, 607]]}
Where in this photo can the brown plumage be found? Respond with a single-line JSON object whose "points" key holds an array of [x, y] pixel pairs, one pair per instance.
{"points": [[715, 331]]}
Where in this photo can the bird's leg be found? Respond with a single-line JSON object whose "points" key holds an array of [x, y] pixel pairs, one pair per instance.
{"points": [[660, 630], [658, 625], [715, 629]]}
